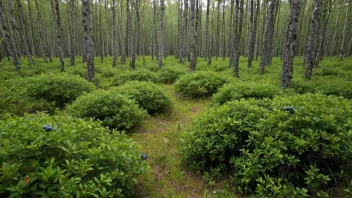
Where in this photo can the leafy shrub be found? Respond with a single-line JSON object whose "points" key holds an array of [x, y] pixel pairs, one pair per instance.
{"points": [[15, 100], [147, 95], [199, 84], [77, 158], [40, 93], [171, 74], [78, 71], [114, 110], [58, 89], [272, 151], [138, 75], [109, 72], [331, 86], [236, 91]]}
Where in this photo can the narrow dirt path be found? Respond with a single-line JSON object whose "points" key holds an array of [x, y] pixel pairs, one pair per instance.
{"points": [[159, 136]]}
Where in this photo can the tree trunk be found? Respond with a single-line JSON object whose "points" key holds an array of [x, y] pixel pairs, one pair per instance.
{"points": [[59, 35], [161, 34], [102, 54], [72, 17], [319, 55], [9, 42], [230, 34], [123, 48], [185, 33], [268, 39], [154, 30], [24, 33], [313, 32], [40, 32], [114, 47], [180, 36], [334, 38], [138, 29], [252, 33], [48, 33], [238, 21], [223, 33], [31, 28], [218, 32], [256, 52], [130, 48], [88, 39], [128, 29], [13, 30], [287, 67], [193, 37], [207, 47], [345, 26]]}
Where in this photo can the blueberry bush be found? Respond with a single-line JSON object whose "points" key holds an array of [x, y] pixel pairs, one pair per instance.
{"points": [[289, 145], [113, 110], [69, 157], [238, 90], [149, 96], [199, 84]]}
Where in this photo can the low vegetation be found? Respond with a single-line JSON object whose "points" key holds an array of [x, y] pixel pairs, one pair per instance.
{"points": [[199, 84], [68, 157], [239, 90], [113, 110], [149, 96], [236, 137]]}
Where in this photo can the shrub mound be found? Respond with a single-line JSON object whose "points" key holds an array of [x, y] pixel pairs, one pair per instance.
{"points": [[171, 74], [147, 95], [137, 75], [114, 110], [58, 89], [44, 92], [236, 91], [335, 86], [76, 158], [199, 84], [272, 149]]}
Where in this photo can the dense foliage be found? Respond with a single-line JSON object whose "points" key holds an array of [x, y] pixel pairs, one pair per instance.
{"points": [[58, 89], [136, 75], [334, 86], [171, 74], [298, 144], [74, 158], [238, 90], [44, 92], [147, 95], [199, 84], [114, 110]]}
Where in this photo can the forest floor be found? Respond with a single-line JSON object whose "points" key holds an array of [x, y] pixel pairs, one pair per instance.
{"points": [[159, 137]]}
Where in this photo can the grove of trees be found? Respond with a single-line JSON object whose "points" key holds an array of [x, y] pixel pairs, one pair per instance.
{"points": [[186, 29]]}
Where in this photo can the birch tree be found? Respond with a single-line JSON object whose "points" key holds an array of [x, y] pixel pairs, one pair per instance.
{"points": [[268, 39], [24, 33], [59, 35], [344, 33], [114, 47], [88, 38], [291, 37], [161, 34], [207, 37], [313, 32], [31, 28], [72, 18], [40, 32], [193, 37], [9, 41]]}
